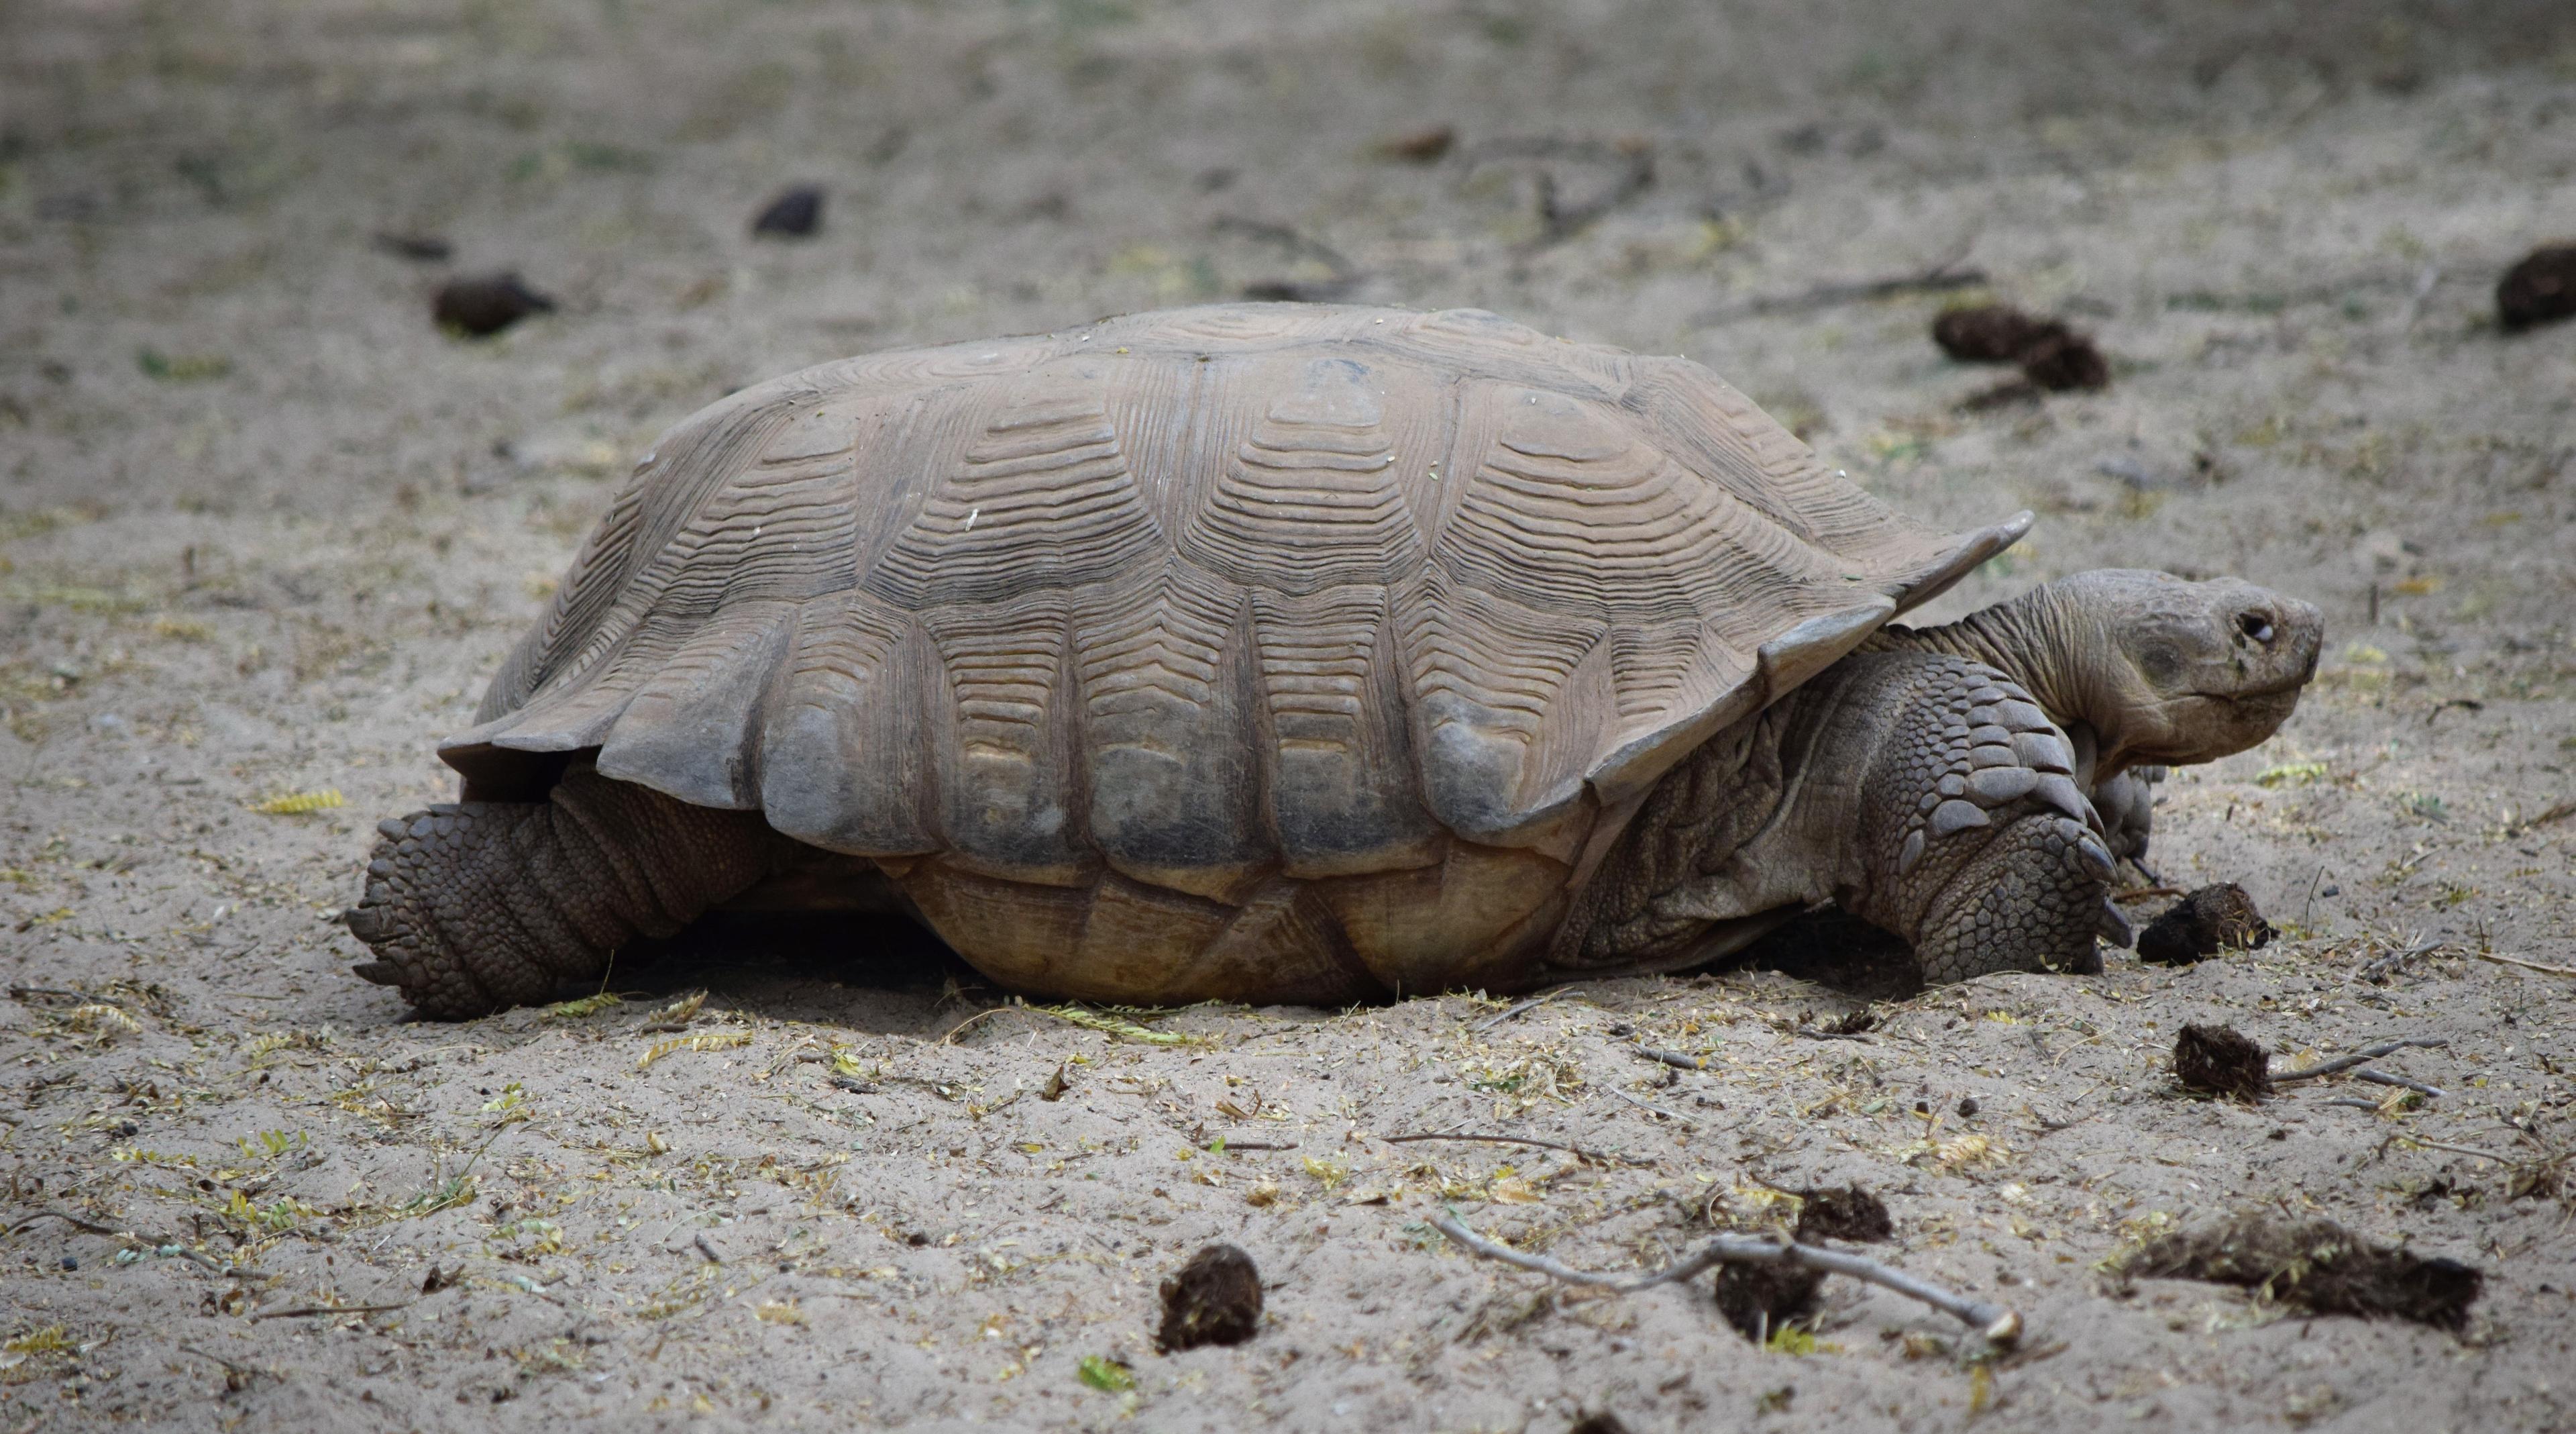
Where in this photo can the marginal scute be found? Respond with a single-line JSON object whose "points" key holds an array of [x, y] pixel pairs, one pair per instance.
{"points": [[1174, 779], [1342, 799], [1486, 673], [839, 765], [691, 730], [1011, 805]]}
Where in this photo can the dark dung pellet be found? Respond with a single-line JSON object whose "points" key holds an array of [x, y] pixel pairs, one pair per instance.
{"points": [[1845, 1213], [1759, 1300], [2216, 918], [794, 214], [1991, 333], [1214, 1299], [2219, 1060], [2065, 361], [486, 305], [2541, 289], [2315, 1265]]}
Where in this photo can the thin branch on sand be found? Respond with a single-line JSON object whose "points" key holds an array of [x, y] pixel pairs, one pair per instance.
{"points": [[2001, 1325], [2541, 966], [1651, 1106], [1532, 1004], [1577, 1151], [2360, 1057]]}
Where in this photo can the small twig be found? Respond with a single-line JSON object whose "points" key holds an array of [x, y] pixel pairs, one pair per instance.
{"points": [[228, 1365], [1676, 1059], [1575, 1150], [306, 1311], [2144, 893], [1532, 1004], [706, 1249], [92, 1227], [1345, 275], [2376, 971], [2355, 1102], [2001, 1325], [2360, 1057], [2540, 966], [1942, 275], [1819, 1033], [2384, 1078], [2453, 1149], [1650, 1105], [2560, 812], [2051, 1127], [1235, 1145]]}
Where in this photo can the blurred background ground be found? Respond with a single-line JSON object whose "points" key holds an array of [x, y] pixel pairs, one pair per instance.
{"points": [[264, 531]]}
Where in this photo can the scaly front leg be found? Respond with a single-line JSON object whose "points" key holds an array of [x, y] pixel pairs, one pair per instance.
{"points": [[1975, 844]]}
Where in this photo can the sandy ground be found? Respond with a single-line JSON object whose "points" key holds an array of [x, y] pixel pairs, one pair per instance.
{"points": [[264, 531]]}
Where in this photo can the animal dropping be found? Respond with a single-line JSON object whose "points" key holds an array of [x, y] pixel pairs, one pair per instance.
{"points": [[1302, 654], [2216, 918], [1213, 1299], [484, 306]]}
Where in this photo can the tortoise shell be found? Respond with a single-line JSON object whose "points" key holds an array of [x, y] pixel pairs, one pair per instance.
{"points": [[1316, 637]]}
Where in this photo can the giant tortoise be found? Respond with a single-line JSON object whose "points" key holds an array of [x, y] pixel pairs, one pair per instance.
{"points": [[1291, 653]]}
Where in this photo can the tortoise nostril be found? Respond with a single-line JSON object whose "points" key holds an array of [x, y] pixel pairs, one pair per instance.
{"points": [[2255, 625]]}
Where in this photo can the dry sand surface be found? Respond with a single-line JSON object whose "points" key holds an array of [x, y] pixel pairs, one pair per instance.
{"points": [[264, 531]]}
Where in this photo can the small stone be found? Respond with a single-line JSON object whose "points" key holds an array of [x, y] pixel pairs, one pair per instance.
{"points": [[2539, 290], [2219, 1060], [796, 213], [482, 307], [2208, 921], [1214, 1299]]}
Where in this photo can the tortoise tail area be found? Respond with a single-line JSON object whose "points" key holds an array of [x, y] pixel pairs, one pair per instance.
{"points": [[475, 906]]}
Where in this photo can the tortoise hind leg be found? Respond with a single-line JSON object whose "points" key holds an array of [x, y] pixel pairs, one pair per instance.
{"points": [[473, 907]]}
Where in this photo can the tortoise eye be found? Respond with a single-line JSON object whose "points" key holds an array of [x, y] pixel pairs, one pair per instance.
{"points": [[2254, 625]]}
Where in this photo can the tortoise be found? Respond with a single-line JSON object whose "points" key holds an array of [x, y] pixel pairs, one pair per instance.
{"points": [[1303, 654]]}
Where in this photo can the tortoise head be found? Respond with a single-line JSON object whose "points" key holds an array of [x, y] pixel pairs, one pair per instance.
{"points": [[2171, 671]]}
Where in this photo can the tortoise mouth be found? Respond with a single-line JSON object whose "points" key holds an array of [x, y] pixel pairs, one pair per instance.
{"points": [[2286, 687]]}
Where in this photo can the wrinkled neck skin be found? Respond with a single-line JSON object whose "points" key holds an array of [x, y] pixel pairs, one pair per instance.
{"points": [[2031, 640]]}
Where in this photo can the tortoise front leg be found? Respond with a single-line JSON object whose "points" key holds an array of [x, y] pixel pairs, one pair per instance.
{"points": [[473, 907], [1976, 844]]}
